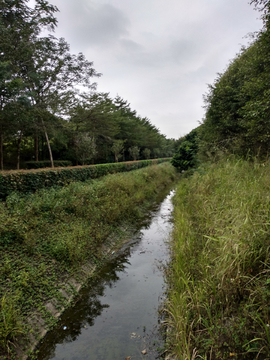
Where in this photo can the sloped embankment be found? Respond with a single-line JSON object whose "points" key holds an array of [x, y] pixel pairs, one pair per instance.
{"points": [[53, 240]]}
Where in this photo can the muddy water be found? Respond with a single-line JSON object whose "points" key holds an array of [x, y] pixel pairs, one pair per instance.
{"points": [[117, 316]]}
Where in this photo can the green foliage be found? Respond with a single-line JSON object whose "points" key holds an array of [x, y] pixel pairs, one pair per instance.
{"points": [[117, 149], [219, 289], [89, 201], [186, 155], [237, 105], [38, 80], [86, 147], [10, 325], [147, 153], [115, 127], [134, 152], [46, 163], [27, 181], [43, 67]]}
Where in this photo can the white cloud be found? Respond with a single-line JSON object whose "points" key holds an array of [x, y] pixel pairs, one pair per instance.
{"points": [[90, 23], [158, 54]]}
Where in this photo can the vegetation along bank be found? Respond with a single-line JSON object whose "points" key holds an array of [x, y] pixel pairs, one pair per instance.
{"points": [[26, 181], [218, 302], [53, 240]]}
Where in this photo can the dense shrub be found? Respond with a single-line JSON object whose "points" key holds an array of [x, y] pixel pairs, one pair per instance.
{"points": [[30, 181], [46, 163], [186, 155]]}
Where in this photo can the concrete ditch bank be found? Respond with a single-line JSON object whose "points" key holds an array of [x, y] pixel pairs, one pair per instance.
{"points": [[70, 291]]}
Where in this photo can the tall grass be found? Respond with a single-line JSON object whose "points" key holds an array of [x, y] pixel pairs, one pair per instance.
{"points": [[10, 326], [70, 223], [219, 297]]}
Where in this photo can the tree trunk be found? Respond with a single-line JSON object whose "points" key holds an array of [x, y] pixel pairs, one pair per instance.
{"points": [[76, 146], [1, 150], [48, 144], [42, 148], [19, 141], [36, 147]]}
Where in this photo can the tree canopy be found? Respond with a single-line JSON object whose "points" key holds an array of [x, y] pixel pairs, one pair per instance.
{"points": [[40, 100], [237, 105]]}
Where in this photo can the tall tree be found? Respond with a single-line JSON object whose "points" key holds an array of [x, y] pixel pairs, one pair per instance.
{"points": [[20, 26], [9, 91], [44, 64], [238, 104], [117, 149], [134, 152], [96, 115], [53, 76], [86, 147], [186, 155]]}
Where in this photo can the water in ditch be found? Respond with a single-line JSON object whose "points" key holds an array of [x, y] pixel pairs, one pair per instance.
{"points": [[117, 316]]}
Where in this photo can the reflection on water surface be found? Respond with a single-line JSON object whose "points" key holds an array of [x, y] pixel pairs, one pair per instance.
{"points": [[117, 314]]}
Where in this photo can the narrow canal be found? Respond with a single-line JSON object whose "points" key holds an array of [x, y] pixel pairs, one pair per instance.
{"points": [[117, 316]]}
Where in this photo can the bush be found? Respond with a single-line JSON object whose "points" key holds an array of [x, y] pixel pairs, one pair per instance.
{"points": [[46, 163], [28, 181], [186, 155]]}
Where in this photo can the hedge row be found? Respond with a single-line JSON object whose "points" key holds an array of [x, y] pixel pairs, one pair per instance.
{"points": [[46, 163], [30, 181]]}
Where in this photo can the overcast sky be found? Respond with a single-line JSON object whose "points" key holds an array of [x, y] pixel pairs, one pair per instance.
{"points": [[158, 54]]}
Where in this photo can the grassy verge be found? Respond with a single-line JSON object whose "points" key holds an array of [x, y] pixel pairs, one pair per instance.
{"points": [[219, 297], [54, 235]]}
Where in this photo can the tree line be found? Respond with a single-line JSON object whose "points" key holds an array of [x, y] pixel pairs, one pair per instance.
{"points": [[237, 118], [43, 115]]}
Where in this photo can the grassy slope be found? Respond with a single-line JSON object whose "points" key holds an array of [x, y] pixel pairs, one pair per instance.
{"points": [[219, 301], [46, 238]]}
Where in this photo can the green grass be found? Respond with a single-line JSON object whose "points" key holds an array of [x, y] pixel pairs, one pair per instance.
{"points": [[219, 296], [47, 237]]}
